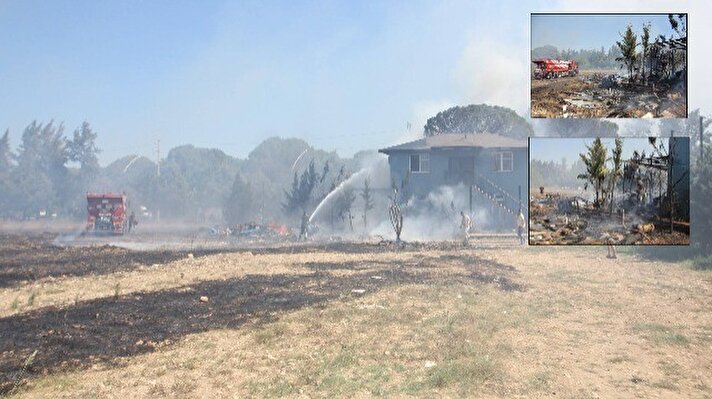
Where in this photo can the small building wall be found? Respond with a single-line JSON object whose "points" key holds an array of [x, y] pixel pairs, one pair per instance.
{"points": [[420, 184]]}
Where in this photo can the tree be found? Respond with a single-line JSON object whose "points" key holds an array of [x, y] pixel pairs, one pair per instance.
{"points": [[5, 153], [481, 118], [596, 171], [82, 148], [209, 174], [40, 175], [344, 205], [300, 196], [645, 43], [239, 205], [617, 168], [368, 203], [6, 186], [678, 23], [629, 54], [573, 127], [701, 206]]}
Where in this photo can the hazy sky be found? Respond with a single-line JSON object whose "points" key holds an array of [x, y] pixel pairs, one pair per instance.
{"points": [[592, 31], [555, 149], [342, 75]]}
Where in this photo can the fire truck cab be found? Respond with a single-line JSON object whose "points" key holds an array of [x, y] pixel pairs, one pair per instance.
{"points": [[107, 213]]}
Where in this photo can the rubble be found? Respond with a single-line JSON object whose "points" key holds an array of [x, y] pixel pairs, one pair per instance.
{"points": [[611, 81], [574, 220], [607, 95]]}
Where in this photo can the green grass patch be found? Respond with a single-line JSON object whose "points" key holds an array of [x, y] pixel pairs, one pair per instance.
{"points": [[664, 384], [31, 298], [661, 334], [703, 263], [540, 380], [463, 376], [619, 359], [270, 333]]}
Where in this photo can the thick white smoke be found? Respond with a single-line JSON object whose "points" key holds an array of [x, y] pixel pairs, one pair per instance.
{"points": [[436, 217]]}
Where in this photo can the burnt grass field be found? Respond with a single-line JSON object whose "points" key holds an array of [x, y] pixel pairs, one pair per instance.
{"points": [[348, 319]]}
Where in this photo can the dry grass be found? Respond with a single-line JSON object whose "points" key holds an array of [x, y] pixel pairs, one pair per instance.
{"points": [[582, 326]]}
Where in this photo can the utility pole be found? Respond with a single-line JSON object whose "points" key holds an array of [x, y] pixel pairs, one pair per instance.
{"points": [[158, 158]]}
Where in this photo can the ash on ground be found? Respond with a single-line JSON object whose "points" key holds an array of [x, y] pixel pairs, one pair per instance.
{"points": [[608, 94], [569, 218]]}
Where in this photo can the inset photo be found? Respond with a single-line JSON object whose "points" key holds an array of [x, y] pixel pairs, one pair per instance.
{"points": [[609, 65], [605, 191]]}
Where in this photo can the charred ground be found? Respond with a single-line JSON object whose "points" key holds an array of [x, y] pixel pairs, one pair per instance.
{"points": [[350, 319], [605, 94]]}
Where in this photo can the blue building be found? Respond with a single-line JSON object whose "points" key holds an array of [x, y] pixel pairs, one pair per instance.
{"points": [[494, 168]]}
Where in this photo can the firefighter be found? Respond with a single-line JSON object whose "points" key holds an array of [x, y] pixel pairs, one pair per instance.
{"points": [[303, 230], [466, 225], [521, 225], [611, 250], [132, 221]]}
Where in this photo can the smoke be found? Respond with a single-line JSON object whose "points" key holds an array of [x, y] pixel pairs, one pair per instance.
{"points": [[494, 73], [437, 216], [373, 167]]}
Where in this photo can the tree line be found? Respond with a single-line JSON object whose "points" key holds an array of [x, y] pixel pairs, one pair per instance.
{"points": [[49, 173], [586, 58], [36, 180]]}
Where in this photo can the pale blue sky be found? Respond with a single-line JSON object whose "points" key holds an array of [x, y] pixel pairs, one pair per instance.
{"points": [[592, 31], [554, 149], [343, 75]]}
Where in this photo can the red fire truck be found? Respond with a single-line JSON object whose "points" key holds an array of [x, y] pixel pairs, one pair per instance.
{"points": [[547, 68], [107, 213]]}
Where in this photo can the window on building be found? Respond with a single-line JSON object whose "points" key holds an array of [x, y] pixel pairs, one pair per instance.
{"points": [[420, 163], [503, 161]]}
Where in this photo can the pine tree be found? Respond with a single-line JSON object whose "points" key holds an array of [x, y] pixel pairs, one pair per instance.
{"points": [[41, 174], [645, 43], [627, 46], [368, 203], [82, 148]]}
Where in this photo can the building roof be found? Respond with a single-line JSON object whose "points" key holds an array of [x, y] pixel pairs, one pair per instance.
{"points": [[456, 140]]}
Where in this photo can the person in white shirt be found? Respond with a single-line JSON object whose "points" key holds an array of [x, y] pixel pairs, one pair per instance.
{"points": [[521, 225], [466, 225]]}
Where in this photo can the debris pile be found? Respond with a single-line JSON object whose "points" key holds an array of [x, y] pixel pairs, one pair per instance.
{"points": [[574, 220], [608, 95]]}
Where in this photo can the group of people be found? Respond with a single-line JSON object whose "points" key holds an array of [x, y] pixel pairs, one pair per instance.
{"points": [[467, 226]]}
